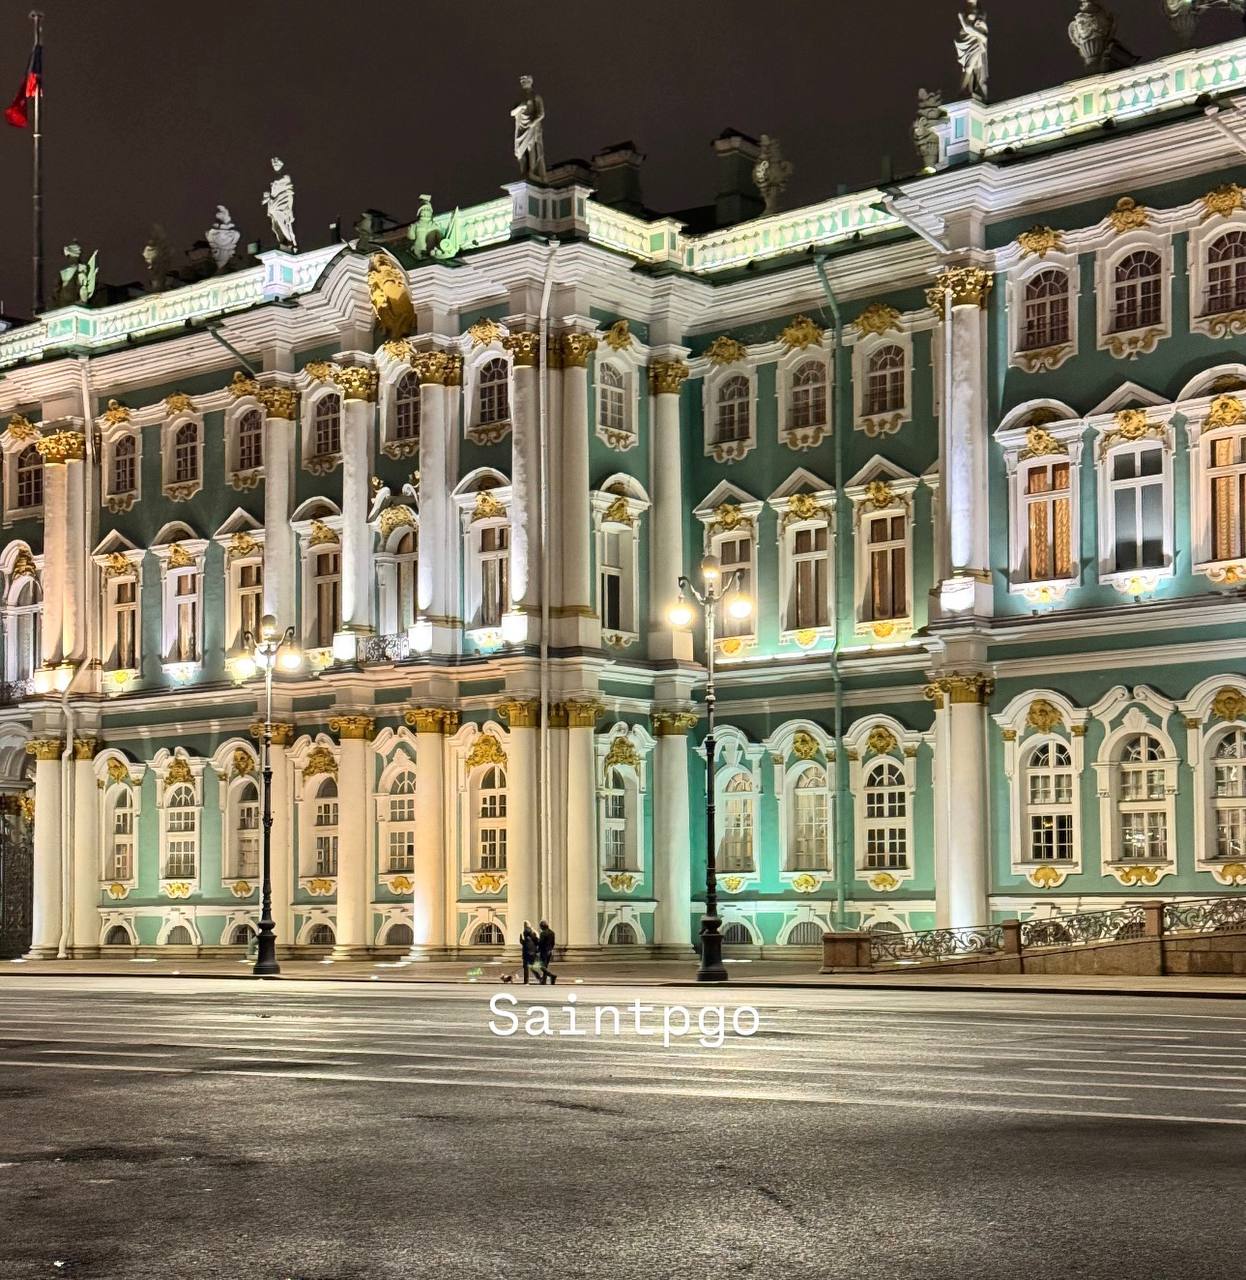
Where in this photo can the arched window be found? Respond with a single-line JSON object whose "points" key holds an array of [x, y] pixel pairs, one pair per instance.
{"points": [[241, 935], [186, 453], [1226, 273], [179, 936], [1048, 505], [810, 808], [117, 936], [486, 935], [884, 380], [808, 933], [120, 832], [1229, 794], [327, 426], [493, 393], [123, 474], [182, 827], [1141, 801], [251, 440], [1049, 802], [809, 395], [611, 405], [491, 822], [621, 935], [399, 935], [325, 827], [737, 935], [247, 831], [735, 847], [406, 556], [732, 418], [614, 821], [23, 634], [1136, 291], [1046, 318], [28, 489], [401, 831], [407, 408], [320, 935], [327, 591], [886, 817]]}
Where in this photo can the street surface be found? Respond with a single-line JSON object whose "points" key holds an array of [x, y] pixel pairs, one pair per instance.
{"points": [[187, 1129]]}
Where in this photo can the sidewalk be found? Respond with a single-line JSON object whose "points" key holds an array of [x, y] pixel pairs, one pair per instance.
{"points": [[652, 973]]}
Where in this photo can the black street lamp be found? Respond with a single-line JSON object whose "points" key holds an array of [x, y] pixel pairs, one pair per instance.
{"points": [[713, 590], [263, 653]]}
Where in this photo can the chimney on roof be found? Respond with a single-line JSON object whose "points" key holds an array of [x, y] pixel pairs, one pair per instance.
{"points": [[616, 177], [738, 198]]}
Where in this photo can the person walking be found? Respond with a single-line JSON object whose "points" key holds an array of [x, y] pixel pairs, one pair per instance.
{"points": [[545, 945], [530, 949]]}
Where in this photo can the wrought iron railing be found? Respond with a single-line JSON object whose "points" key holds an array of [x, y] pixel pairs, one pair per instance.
{"points": [[1084, 926], [1205, 914], [12, 691], [935, 944], [393, 648]]}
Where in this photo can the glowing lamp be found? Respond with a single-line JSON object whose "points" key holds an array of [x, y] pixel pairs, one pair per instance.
{"points": [[740, 607], [680, 614]]}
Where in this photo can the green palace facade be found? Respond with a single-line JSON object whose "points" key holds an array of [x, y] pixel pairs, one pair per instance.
{"points": [[975, 447]]}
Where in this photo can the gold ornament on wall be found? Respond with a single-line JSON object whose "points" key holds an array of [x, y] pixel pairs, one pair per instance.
{"points": [[320, 760], [401, 884], [180, 558], [390, 297], [352, 728], [728, 517], [884, 882], [45, 748], [804, 745], [805, 883], [320, 370], [242, 384], [243, 763], [878, 318], [617, 513], [1225, 411], [881, 741], [574, 349], [1040, 240], [967, 287], [1039, 443], [671, 724], [178, 402], [879, 495], [525, 348], [621, 881], [62, 446], [667, 376], [279, 402], [800, 334], [485, 332], [802, 507], [1044, 716], [116, 414], [487, 507], [117, 771], [622, 751], [24, 565], [320, 886], [724, 350], [242, 544], [618, 337], [22, 429], [177, 889], [486, 882], [178, 771], [1223, 201], [1229, 704], [321, 535], [485, 750], [357, 383], [1046, 877], [1128, 215]]}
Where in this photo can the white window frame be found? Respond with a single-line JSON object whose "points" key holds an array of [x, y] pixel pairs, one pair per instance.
{"points": [[469, 502], [1128, 344], [167, 789], [231, 792], [871, 741], [625, 435], [171, 575], [1213, 324], [114, 797], [393, 445], [1200, 439], [626, 748], [715, 379], [494, 431], [804, 437], [321, 522], [401, 766], [789, 524], [1041, 359], [313, 461], [175, 488], [497, 822], [112, 607], [1209, 715], [864, 347], [736, 756], [864, 508], [793, 788], [617, 510], [238, 476], [111, 437], [22, 638], [392, 568], [12, 512], [730, 514], [1110, 445], [114, 774]]}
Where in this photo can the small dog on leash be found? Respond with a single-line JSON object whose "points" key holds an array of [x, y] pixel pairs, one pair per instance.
{"points": [[508, 977]]}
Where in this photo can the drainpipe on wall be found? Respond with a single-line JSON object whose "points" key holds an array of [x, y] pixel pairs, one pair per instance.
{"points": [[545, 878], [839, 806]]}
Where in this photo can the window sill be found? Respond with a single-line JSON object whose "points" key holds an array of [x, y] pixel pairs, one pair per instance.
{"points": [[884, 879], [179, 886], [246, 479], [728, 451], [738, 881], [318, 886], [803, 438], [1043, 359], [1137, 582], [1227, 573], [182, 672], [15, 515], [182, 492], [400, 882], [882, 424], [617, 438], [242, 886], [395, 449], [486, 433], [1043, 591], [117, 890], [118, 503], [322, 463], [1141, 872], [806, 637], [728, 647], [119, 680], [886, 630], [619, 639], [1047, 874], [1220, 324], [1127, 344], [623, 880], [485, 881]]}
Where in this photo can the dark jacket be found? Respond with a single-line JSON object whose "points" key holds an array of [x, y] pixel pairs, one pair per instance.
{"points": [[546, 943], [529, 945]]}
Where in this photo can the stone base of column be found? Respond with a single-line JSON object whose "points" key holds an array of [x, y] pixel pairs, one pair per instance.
{"points": [[418, 953], [668, 645], [84, 953], [40, 953], [344, 952], [576, 630], [968, 593]]}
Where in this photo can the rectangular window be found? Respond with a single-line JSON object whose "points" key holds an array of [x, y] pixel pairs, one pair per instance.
{"points": [[1047, 502], [1051, 837], [186, 619], [736, 555], [250, 599], [887, 589], [493, 848], [402, 849], [121, 864], [249, 839], [328, 587], [611, 582], [1227, 476], [1144, 836], [810, 601], [1137, 498], [125, 622], [494, 574]]}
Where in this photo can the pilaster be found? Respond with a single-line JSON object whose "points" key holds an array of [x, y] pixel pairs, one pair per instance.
{"points": [[358, 386], [64, 562], [522, 716], [85, 934], [666, 544], [47, 906], [581, 857], [672, 848], [354, 874], [281, 406], [428, 898], [525, 567], [437, 628], [576, 621]]}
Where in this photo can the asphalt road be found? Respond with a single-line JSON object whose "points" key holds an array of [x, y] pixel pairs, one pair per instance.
{"points": [[193, 1129]]}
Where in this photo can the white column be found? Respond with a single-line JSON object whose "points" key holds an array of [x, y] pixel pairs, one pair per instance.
{"points": [[46, 910], [666, 527], [86, 859], [354, 869], [74, 608], [282, 851], [281, 404], [581, 878], [428, 899], [961, 293], [672, 851], [358, 387], [525, 567], [55, 548], [580, 624], [961, 794], [439, 373], [523, 824]]}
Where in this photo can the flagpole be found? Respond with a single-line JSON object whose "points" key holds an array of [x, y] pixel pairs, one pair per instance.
{"points": [[37, 185]]}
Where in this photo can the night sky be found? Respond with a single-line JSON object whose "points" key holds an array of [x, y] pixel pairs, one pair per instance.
{"points": [[157, 110]]}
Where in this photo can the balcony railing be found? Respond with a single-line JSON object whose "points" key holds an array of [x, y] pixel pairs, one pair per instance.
{"points": [[392, 648], [15, 691]]}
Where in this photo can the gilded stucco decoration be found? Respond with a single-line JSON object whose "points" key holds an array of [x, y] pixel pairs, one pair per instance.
{"points": [[22, 429], [881, 741], [116, 891], [357, 383], [178, 771], [320, 760], [1222, 201], [116, 414], [1043, 716], [241, 385], [728, 517], [1046, 877], [967, 287], [177, 889], [1225, 411], [242, 888], [487, 507], [243, 763], [24, 565], [525, 348], [617, 513], [804, 745], [279, 402], [178, 402], [574, 349], [352, 728], [439, 368], [672, 724], [321, 535], [521, 713], [622, 751], [117, 771], [800, 333], [486, 881], [1136, 875], [724, 350], [884, 882], [45, 748], [62, 446], [1130, 425], [1233, 873], [959, 688], [180, 558], [320, 886], [802, 507], [667, 376], [485, 332], [320, 370], [805, 883], [398, 349], [395, 518], [618, 337], [1041, 241], [622, 881], [878, 318], [432, 719], [390, 297], [879, 496], [1039, 443], [1128, 215], [732, 884], [1229, 704], [401, 884], [485, 750], [242, 544]]}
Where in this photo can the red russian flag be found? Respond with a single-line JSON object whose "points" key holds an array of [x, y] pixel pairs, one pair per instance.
{"points": [[16, 112]]}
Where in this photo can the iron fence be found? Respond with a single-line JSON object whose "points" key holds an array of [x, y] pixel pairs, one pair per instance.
{"points": [[392, 648], [935, 944], [1202, 915], [1084, 926]]}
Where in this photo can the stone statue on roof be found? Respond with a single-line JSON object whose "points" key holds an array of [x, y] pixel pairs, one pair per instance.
{"points": [[771, 172], [925, 137], [971, 51], [529, 116], [222, 237], [1093, 34], [77, 281], [428, 238], [1184, 14], [279, 205], [158, 258]]}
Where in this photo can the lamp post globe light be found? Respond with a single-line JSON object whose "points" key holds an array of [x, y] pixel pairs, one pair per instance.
{"points": [[263, 653], [712, 592]]}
